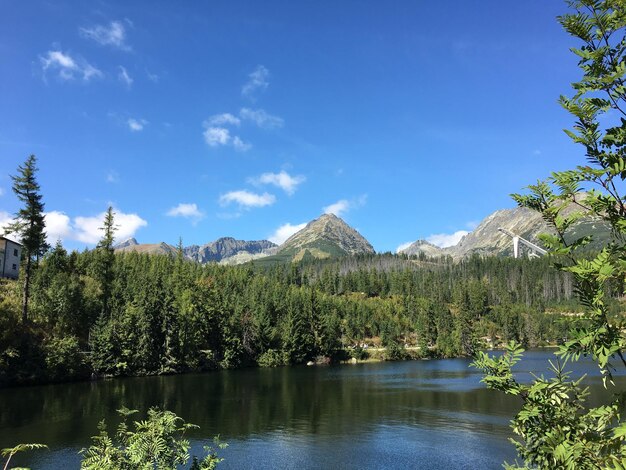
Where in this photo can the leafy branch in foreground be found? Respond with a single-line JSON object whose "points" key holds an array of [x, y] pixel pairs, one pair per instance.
{"points": [[557, 428], [11, 451], [157, 442]]}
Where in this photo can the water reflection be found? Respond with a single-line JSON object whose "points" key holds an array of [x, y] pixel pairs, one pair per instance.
{"points": [[436, 413]]}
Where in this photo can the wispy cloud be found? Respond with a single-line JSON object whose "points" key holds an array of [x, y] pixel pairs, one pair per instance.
{"points": [[240, 145], [258, 81], [222, 119], [443, 240], [262, 118], [136, 125], [153, 77], [403, 246], [247, 199], [217, 136], [112, 177], [188, 211], [283, 232], [344, 205], [283, 180], [123, 77], [112, 35], [68, 67], [1, 191]]}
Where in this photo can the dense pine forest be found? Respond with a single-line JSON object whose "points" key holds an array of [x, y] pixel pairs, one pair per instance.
{"points": [[97, 313]]}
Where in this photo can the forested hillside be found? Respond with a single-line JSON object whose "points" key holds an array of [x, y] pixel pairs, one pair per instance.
{"points": [[92, 313]]}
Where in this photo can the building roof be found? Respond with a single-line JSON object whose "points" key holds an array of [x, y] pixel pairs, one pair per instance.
{"points": [[9, 240]]}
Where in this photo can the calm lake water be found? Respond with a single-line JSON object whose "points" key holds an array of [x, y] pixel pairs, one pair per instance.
{"points": [[417, 414]]}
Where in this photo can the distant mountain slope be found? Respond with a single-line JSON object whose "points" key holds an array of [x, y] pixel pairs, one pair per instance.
{"points": [[228, 247], [149, 248], [422, 246], [486, 239], [327, 235], [226, 250]]}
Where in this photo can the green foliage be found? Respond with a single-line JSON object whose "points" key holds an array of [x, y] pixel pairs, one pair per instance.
{"points": [[395, 352], [359, 353], [272, 358], [557, 427], [29, 223], [11, 451], [158, 442]]}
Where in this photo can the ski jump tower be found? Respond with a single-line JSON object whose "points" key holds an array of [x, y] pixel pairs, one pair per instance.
{"points": [[535, 251]]}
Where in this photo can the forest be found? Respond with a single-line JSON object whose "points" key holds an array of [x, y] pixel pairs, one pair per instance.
{"points": [[101, 314]]}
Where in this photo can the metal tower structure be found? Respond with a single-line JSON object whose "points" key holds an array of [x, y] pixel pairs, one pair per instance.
{"points": [[536, 251]]}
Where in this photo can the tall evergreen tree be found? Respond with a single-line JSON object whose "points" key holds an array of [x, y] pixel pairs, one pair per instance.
{"points": [[106, 258], [29, 223]]}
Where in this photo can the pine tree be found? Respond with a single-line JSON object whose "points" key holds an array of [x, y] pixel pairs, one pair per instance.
{"points": [[29, 223], [106, 259]]}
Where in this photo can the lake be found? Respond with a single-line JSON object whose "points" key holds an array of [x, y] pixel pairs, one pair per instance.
{"points": [[415, 414]]}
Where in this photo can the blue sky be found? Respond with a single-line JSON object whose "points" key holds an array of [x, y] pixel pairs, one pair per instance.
{"points": [[409, 119]]}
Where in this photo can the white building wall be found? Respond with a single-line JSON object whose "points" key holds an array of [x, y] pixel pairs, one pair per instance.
{"points": [[10, 266]]}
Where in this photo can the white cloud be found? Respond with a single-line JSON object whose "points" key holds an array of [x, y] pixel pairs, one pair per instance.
{"points": [[222, 119], [88, 229], [443, 240], [124, 77], [240, 145], [58, 226], [5, 219], [1, 191], [283, 180], [344, 205], [258, 80], [215, 136], [403, 246], [337, 208], [188, 211], [112, 177], [283, 232], [262, 118], [136, 125], [153, 77], [112, 35], [68, 68], [247, 199]]}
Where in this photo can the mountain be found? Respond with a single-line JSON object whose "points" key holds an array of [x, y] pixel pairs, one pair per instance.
{"points": [[227, 247], [126, 244], [325, 237], [487, 239], [149, 248], [225, 250], [422, 246]]}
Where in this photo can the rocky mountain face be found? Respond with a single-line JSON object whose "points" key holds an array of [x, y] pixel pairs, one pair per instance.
{"points": [[225, 250], [487, 240], [227, 247], [325, 237], [149, 248], [422, 246]]}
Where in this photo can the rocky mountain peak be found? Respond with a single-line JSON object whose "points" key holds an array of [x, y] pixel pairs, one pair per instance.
{"points": [[126, 243], [329, 235]]}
